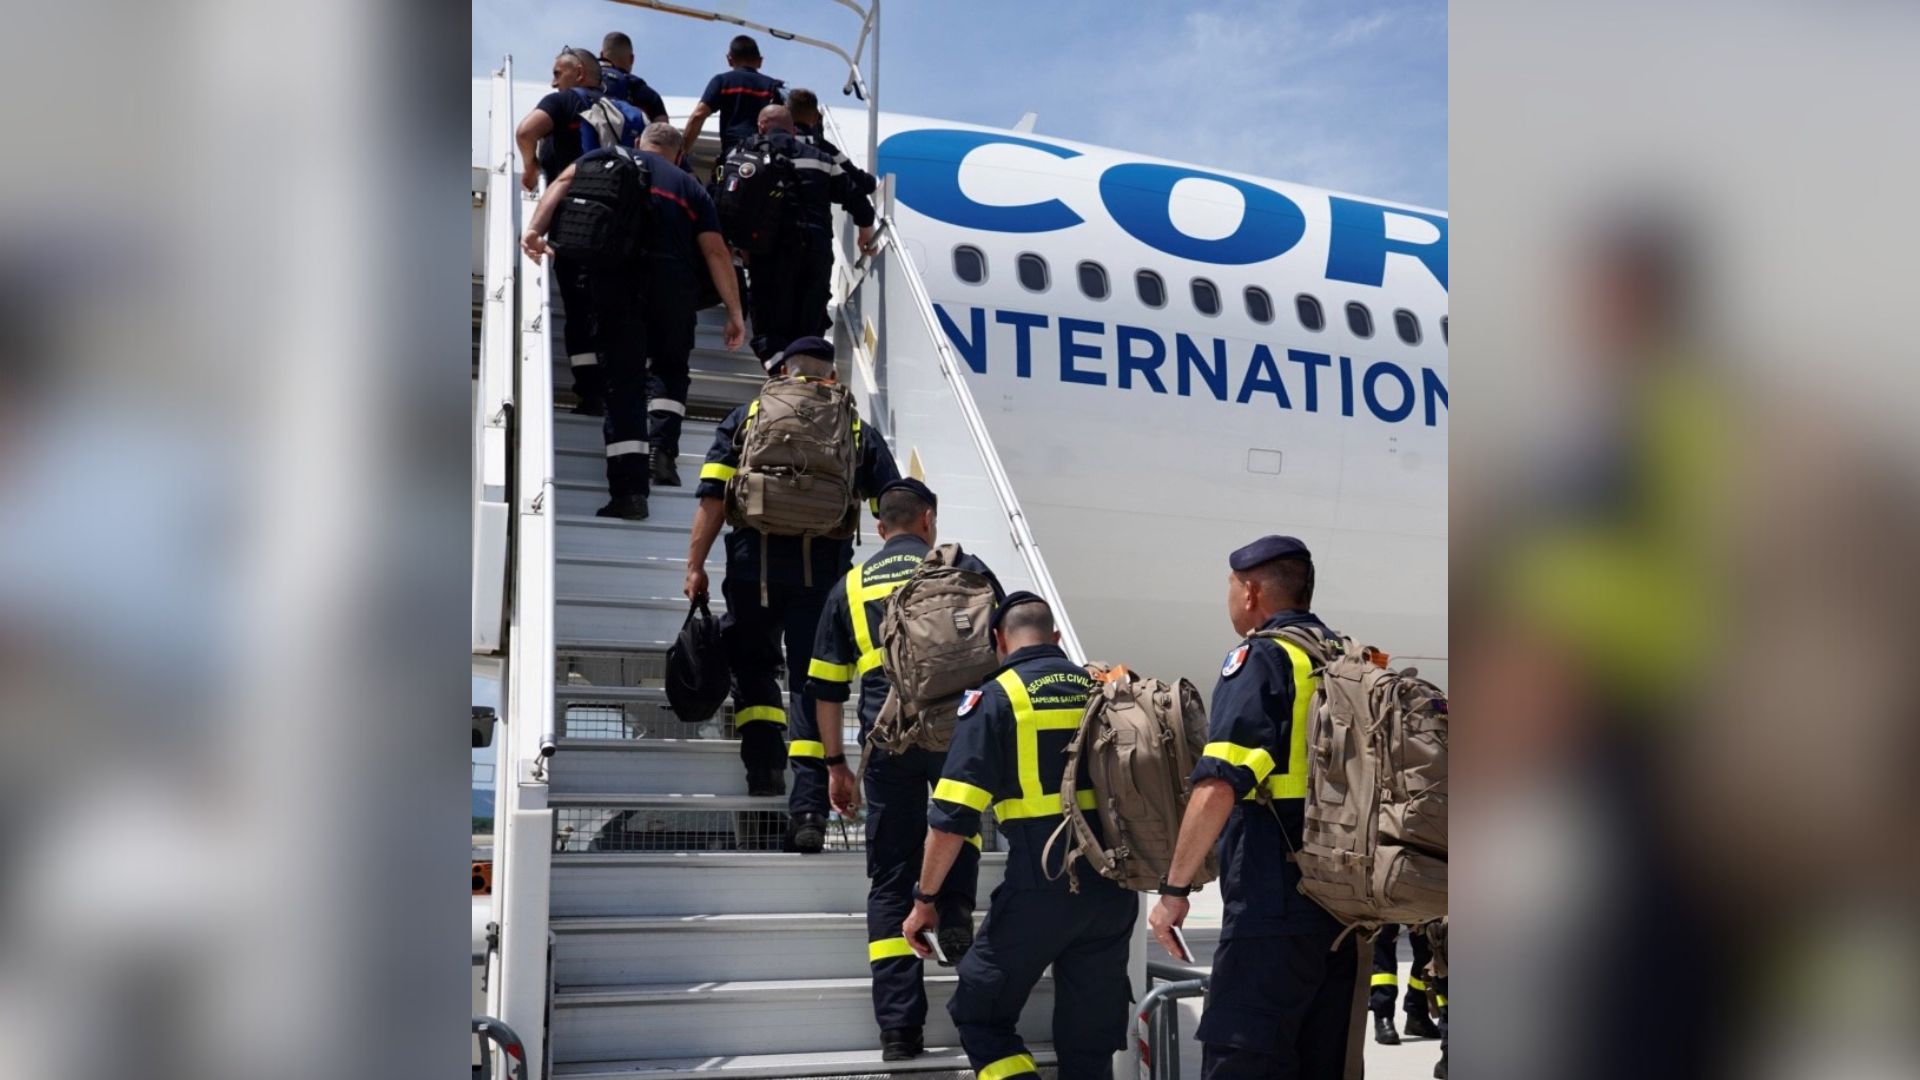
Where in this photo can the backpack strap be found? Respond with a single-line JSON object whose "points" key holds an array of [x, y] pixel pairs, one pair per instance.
{"points": [[1073, 818]]}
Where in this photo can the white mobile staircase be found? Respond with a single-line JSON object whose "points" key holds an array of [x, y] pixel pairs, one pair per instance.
{"points": [[648, 924]]}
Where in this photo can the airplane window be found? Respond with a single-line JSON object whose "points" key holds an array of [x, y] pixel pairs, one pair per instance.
{"points": [[1443, 329], [1407, 325], [1259, 305], [1033, 272], [969, 265], [1153, 291], [1359, 320], [1206, 298], [1093, 280], [1308, 309]]}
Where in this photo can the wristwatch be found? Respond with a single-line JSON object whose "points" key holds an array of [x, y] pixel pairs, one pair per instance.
{"points": [[837, 759], [1181, 891], [922, 898]]}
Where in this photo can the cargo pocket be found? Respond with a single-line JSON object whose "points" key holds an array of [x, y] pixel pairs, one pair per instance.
{"points": [[1411, 885]]}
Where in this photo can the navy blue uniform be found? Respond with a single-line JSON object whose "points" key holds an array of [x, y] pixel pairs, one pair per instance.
{"points": [[1009, 751], [632, 89], [737, 96], [1386, 974], [558, 149], [791, 282], [645, 311], [796, 592], [895, 785], [1279, 1000]]}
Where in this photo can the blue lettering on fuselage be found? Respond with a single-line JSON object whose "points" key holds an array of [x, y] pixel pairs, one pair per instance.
{"points": [[1127, 357], [1138, 196]]}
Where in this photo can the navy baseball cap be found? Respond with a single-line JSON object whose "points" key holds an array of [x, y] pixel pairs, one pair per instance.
{"points": [[1266, 549], [920, 490], [1012, 601]]}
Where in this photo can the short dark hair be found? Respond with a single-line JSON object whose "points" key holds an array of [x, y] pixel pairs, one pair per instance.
{"points": [[743, 47], [615, 40], [1289, 581], [900, 508], [800, 99], [1033, 617]]}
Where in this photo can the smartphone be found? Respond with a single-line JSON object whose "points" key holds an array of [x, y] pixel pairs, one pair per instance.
{"points": [[1186, 950], [933, 942]]}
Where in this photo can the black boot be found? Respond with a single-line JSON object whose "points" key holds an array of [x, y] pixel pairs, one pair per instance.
{"points": [[901, 1044], [1383, 1032], [1440, 1070], [809, 835], [956, 939], [766, 782], [665, 474], [1420, 1025], [628, 507]]}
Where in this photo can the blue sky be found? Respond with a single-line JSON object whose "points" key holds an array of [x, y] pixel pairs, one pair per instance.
{"points": [[1348, 95]]}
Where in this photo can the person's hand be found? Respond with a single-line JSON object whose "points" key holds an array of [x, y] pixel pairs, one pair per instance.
{"points": [[534, 245], [919, 921], [696, 583], [735, 334], [866, 240], [530, 176], [842, 792], [1170, 912]]}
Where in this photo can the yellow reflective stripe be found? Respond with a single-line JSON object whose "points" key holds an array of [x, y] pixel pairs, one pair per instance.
{"points": [[869, 660], [974, 840], [1252, 757], [1041, 805], [1292, 784], [1386, 980], [714, 470], [888, 949], [825, 672], [858, 595], [856, 442], [1017, 1065], [1415, 983], [806, 748], [955, 791], [1440, 1000], [753, 409], [771, 713]]}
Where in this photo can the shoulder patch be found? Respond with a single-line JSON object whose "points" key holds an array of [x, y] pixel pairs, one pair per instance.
{"points": [[968, 700], [1236, 660]]}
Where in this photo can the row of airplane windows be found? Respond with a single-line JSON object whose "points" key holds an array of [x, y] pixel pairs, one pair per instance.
{"points": [[970, 266]]}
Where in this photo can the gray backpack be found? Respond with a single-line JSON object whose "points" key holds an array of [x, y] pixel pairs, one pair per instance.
{"points": [[799, 451], [1140, 738], [937, 643], [1375, 841]]}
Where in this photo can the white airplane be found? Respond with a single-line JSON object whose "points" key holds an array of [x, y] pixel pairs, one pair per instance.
{"points": [[1174, 360]]}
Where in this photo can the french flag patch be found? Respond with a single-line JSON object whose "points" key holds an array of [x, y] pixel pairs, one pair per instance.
{"points": [[968, 700], [1235, 661]]}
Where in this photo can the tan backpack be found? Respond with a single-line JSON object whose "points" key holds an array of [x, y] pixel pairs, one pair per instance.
{"points": [[1375, 840], [1140, 738], [936, 640], [799, 451]]}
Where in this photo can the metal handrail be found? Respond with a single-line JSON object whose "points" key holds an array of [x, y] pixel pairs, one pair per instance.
{"points": [[499, 1033], [1159, 1022], [493, 412]]}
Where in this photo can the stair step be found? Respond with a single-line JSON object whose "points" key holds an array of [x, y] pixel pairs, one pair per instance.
{"points": [[580, 495], [637, 766], [619, 622], [938, 1063], [577, 535], [640, 576], [750, 1017], [610, 952], [607, 884]]}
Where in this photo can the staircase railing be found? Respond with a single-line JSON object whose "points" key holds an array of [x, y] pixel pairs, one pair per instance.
{"points": [[518, 990], [493, 409], [912, 385]]}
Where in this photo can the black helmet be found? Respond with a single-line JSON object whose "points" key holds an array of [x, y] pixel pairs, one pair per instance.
{"points": [[697, 667]]}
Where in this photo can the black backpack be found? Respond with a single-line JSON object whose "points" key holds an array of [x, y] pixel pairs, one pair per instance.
{"points": [[752, 193], [697, 674], [603, 218]]}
